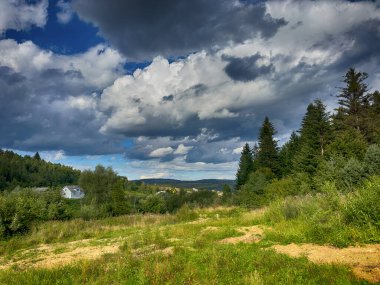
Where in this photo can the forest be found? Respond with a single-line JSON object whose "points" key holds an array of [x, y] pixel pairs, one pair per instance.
{"points": [[340, 150]]}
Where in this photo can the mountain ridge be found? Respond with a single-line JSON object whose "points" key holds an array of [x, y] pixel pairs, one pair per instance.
{"points": [[209, 184]]}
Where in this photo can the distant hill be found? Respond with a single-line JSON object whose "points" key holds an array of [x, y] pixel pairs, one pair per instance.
{"points": [[208, 184]]}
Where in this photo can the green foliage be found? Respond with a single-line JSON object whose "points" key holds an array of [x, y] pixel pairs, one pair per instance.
{"points": [[351, 175], [226, 194], [353, 98], [16, 170], [363, 207], [372, 160], [326, 218], [252, 193], [267, 154], [20, 209], [104, 190], [348, 143], [287, 186], [245, 166], [153, 204], [288, 152], [315, 135]]}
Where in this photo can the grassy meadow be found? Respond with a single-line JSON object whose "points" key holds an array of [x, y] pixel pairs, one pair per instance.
{"points": [[194, 246]]}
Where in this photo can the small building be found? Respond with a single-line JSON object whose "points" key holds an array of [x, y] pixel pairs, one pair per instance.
{"points": [[72, 192]]}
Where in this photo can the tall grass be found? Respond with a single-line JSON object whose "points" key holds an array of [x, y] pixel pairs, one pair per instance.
{"points": [[328, 217]]}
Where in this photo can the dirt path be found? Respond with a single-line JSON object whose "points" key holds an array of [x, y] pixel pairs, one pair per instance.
{"points": [[364, 260], [251, 234]]}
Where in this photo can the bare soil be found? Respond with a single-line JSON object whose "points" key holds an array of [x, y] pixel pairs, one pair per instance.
{"points": [[54, 255], [250, 235], [364, 260]]}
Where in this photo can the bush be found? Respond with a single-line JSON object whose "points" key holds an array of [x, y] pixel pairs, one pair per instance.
{"points": [[92, 211], [372, 160], [288, 186], [18, 210], [153, 204], [352, 175], [363, 207]]}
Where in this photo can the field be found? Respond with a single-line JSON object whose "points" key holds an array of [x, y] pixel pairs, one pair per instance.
{"points": [[220, 245]]}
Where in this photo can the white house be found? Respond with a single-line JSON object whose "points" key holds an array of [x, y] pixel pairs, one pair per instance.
{"points": [[72, 192]]}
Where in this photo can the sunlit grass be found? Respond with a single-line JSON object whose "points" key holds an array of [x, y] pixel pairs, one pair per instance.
{"points": [[182, 248]]}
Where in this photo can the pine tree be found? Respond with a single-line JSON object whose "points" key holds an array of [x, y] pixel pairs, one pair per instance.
{"points": [[267, 154], [37, 156], [353, 99], [288, 152], [245, 167], [315, 135]]}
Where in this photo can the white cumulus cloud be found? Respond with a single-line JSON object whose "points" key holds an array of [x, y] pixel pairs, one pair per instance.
{"points": [[20, 15]]}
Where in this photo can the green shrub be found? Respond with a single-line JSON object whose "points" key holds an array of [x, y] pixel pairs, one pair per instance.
{"points": [[153, 204], [186, 214], [372, 160], [92, 211], [352, 175], [363, 207]]}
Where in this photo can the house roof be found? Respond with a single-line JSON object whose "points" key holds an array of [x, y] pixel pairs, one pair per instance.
{"points": [[72, 187]]}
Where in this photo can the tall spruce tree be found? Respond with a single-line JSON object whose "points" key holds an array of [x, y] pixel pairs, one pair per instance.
{"points": [[315, 134], [245, 166], [353, 98], [267, 154]]}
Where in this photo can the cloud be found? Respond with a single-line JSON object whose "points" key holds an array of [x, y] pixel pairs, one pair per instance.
{"points": [[49, 101], [214, 101], [21, 15], [65, 13], [246, 68], [161, 152], [182, 149], [144, 29], [190, 114]]}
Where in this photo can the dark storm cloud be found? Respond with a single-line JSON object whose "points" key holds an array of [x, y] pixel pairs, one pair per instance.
{"points": [[246, 68], [366, 45], [31, 120], [143, 29]]}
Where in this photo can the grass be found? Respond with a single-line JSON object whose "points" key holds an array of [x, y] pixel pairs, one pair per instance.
{"points": [[192, 236]]}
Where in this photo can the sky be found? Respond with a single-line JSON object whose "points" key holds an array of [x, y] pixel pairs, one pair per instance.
{"points": [[172, 88]]}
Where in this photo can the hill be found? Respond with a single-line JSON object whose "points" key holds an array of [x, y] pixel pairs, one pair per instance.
{"points": [[27, 171], [208, 184]]}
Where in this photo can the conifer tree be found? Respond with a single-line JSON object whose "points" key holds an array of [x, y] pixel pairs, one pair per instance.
{"points": [[315, 134], [353, 99], [37, 156], [287, 153], [245, 166], [267, 154]]}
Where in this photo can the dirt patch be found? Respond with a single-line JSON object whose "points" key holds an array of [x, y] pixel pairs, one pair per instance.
{"points": [[54, 255], [251, 235], [364, 260]]}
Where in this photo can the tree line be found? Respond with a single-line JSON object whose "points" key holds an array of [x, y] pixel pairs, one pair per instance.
{"points": [[342, 147], [27, 171]]}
